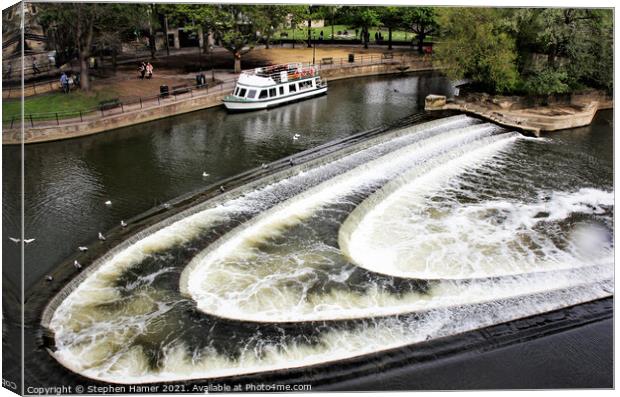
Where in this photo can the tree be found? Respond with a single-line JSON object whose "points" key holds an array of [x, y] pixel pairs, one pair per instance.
{"points": [[422, 21], [570, 47], [475, 45], [391, 17], [193, 17], [236, 30], [82, 24], [270, 17], [363, 18]]}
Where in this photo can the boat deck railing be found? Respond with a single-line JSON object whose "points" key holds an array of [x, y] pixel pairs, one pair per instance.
{"points": [[294, 71]]}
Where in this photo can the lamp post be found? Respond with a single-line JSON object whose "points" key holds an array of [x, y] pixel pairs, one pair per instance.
{"points": [[211, 56], [313, 47]]}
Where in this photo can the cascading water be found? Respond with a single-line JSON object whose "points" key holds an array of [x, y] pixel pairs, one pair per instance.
{"points": [[422, 232]]}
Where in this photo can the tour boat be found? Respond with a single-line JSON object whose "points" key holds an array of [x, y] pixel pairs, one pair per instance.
{"points": [[275, 85]]}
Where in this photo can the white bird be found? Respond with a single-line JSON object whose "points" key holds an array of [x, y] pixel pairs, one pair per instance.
{"points": [[82, 248], [108, 202], [101, 237], [15, 240], [28, 240], [77, 265], [290, 161], [49, 278], [222, 189], [296, 137], [264, 166], [204, 174], [123, 224], [166, 205]]}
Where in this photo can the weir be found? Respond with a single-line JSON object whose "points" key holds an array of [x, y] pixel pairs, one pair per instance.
{"points": [[408, 236]]}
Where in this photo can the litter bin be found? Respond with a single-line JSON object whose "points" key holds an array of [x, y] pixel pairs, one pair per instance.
{"points": [[163, 91], [351, 58]]}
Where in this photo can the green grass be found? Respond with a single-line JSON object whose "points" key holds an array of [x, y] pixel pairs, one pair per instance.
{"points": [[301, 33], [74, 102]]}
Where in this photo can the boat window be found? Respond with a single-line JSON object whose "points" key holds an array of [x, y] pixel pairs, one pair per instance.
{"points": [[263, 94], [304, 85], [242, 92], [236, 91], [272, 92], [281, 90], [292, 87], [251, 94]]}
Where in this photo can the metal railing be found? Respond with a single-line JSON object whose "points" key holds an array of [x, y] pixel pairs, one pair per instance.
{"points": [[137, 103]]}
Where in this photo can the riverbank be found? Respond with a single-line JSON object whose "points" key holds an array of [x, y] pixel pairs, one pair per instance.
{"points": [[162, 108], [515, 113]]}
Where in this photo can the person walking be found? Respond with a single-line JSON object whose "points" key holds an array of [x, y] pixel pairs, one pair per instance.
{"points": [[35, 69], [64, 82], [149, 70], [142, 70]]}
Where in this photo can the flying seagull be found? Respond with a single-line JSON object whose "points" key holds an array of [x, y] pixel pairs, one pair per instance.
{"points": [[82, 248], [101, 237], [28, 240], [15, 240], [108, 202], [204, 174]]}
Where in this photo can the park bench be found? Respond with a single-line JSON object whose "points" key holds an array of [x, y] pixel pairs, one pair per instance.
{"points": [[327, 61], [109, 104], [180, 89]]}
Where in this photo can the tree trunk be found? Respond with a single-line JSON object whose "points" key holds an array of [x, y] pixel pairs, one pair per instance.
{"points": [[237, 62], [166, 34], [365, 33], [389, 38], [309, 33], [267, 41], [84, 73], [421, 37]]}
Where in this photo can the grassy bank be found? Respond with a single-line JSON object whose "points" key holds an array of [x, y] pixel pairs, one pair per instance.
{"points": [[57, 102], [301, 33]]}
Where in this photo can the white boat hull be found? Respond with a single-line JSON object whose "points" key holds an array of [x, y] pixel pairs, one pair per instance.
{"points": [[269, 103]]}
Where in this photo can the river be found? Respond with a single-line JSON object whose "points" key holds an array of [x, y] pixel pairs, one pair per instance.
{"points": [[521, 208]]}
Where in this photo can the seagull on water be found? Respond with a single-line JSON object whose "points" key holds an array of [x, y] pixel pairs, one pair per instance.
{"points": [[166, 205], [222, 189], [77, 265], [204, 174], [49, 278], [101, 237], [28, 240], [82, 248], [108, 202], [123, 224], [290, 161], [15, 240], [296, 137]]}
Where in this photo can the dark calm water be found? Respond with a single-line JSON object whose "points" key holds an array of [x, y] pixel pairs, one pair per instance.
{"points": [[137, 168]]}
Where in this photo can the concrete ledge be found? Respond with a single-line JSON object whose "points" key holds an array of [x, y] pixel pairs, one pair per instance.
{"points": [[532, 120]]}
